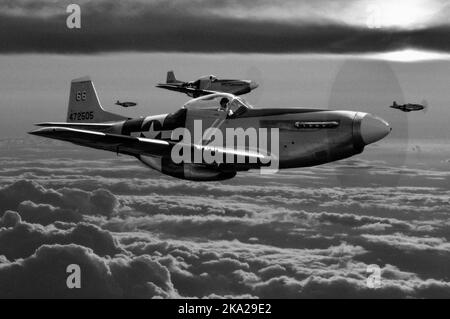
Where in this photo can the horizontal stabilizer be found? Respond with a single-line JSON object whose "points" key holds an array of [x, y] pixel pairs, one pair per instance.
{"points": [[86, 126], [109, 142]]}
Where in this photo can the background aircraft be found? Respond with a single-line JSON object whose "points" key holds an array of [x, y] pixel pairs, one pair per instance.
{"points": [[126, 104], [307, 137], [409, 106], [206, 85]]}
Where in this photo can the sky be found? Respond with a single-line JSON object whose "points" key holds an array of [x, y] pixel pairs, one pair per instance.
{"points": [[35, 87], [301, 233], [299, 51]]}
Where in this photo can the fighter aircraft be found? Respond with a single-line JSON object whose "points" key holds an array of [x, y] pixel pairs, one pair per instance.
{"points": [[305, 137], [208, 84], [409, 106], [126, 104]]}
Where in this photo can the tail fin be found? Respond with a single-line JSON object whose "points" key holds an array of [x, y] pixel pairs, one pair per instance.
{"points": [[171, 78], [84, 105], [395, 103]]}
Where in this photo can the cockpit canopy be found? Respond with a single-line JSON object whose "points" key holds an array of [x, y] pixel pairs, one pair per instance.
{"points": [[233, 105], [210, 77]]}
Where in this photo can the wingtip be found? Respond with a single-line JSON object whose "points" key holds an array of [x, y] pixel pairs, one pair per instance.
{"points": [[86, 78], [48, 124], [35, 132], [43, 131]]}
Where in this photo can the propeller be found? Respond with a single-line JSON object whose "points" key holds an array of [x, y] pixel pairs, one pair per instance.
{"points": [[256, 75], [425, 105]]}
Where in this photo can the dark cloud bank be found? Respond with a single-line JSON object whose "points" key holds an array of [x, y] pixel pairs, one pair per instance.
{"points": [[175, 27]]}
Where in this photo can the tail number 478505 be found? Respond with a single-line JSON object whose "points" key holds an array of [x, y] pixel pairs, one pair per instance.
{"points": [[81, 116]]}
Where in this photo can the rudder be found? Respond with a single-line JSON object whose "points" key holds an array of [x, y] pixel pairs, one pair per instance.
{"points": [[171, 78], [84, 105]]}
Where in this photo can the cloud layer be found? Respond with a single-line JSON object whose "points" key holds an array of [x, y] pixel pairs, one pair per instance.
{"points": [[202, 26], [139, 234]]}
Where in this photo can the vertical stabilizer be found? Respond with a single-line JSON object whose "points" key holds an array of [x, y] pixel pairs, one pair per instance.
{"points": [[171, 78], [84, 105]]}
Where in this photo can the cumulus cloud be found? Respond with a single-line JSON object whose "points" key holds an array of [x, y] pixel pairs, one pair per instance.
{"points": [[267, 273], [44, 275], [10, 219], [46, 214], [249, 237], [36, 203], [20, 239]]}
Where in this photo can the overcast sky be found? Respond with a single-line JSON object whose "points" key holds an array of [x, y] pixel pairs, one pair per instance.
{"points": [[300, 52], [225, 26]]}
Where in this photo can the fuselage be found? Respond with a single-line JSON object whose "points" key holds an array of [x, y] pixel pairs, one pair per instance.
{"points": [[235, 87], [408, 107], [306, 136]]}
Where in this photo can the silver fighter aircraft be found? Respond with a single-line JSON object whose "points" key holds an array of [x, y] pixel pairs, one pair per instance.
{"points": [[408, 107], [306, 137], [126, 104], [208, 84]]}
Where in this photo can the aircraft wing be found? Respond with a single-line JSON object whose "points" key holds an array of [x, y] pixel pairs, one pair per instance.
{"points": [[187, 90], [110, 142], [247, 155], [82, 126], [132, 145]]}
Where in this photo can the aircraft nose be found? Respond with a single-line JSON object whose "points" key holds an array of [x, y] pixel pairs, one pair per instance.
{"points": [[373, 128], [253, 85]]}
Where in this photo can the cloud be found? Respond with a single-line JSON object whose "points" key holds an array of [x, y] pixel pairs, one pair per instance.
{"points": [[411, 243], [65, 204], [289, 236], [266, 272], [19, 239], [376, 227], [12, 195], [272, 271], [172, 26], [141, 265], [342, 287], [10, 219], [46, 214], [44, 274], [409, 253]]}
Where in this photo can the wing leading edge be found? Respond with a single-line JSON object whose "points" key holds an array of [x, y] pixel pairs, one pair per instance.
{"points": [[187, 90], [133, 145], [109, 142]]}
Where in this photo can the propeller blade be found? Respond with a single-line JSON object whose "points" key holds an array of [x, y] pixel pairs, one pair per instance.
{"points": [[255, 74]]}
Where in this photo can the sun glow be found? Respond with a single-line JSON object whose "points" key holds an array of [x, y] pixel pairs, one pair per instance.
{"points": [[407, 14], [410, 55]]}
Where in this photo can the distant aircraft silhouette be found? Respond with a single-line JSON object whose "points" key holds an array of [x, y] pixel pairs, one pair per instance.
{"points": [[409, 106], [126, 104]]}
